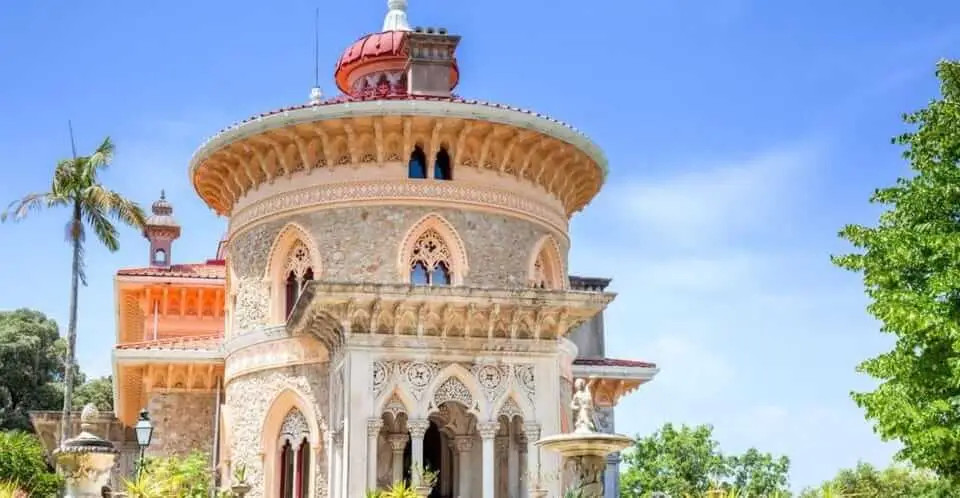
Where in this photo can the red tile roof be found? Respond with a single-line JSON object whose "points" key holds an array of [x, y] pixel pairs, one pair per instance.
{"points": [[611, 362], [195, 343], [212, 269]]}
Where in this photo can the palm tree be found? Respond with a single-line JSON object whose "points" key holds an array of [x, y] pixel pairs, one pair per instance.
{"points": [[75, 186]]}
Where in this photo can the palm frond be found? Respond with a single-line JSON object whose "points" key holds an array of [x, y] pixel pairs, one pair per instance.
{"points": [[101, 157], [116, 206], [19, 209], [96, 216]]}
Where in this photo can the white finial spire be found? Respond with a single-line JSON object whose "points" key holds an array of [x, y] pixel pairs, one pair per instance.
{"points": [[316, 94], [397, 16]]}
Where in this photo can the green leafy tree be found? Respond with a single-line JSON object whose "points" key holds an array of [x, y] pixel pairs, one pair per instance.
{"points": [[30, 367], [687, 461], [75, 186], [23, 463], [96, 391], [676, 461], [893, 482], [759, 474], [910, 264]]}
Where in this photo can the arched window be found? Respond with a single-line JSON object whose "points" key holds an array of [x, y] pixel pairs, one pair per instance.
{"points": [[546, 270], [441, 169], [430, 260], [160, 257], [418, 164], [298, 272], [294, 458]]}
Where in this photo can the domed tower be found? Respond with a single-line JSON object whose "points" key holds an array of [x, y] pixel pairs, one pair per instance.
{"points": [[161, 230], [396, 270]]}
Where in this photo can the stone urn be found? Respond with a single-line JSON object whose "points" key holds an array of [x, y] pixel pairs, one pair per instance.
{"points": [[240, 489], [423, 491], [86, 460]]}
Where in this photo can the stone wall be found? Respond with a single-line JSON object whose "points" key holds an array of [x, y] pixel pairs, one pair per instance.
{"points": [[183, 422], [249, 399], [360, 244]]}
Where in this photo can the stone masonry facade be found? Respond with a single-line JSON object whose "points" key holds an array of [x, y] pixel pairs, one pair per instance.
{"points": [[360, 244], [183, 422], [249, 398]]}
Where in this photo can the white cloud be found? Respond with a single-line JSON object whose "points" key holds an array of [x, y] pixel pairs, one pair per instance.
{"points": [[715, 201], [689, 369]]}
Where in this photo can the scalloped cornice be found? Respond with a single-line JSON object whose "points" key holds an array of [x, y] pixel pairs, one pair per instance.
{"points": [[530, 147]]}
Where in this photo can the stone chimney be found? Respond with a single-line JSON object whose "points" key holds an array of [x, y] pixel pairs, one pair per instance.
{"points": [[431, 67]]}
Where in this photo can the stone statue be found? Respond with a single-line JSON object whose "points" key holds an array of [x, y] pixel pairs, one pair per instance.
{"points": [[582, 407]]}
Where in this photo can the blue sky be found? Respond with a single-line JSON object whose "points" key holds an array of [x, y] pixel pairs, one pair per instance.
{"points": [[741, 136]]}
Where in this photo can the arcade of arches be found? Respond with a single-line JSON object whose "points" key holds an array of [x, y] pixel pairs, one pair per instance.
{"points": [[466, 455]]}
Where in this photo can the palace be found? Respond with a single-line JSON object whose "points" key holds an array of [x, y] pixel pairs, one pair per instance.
{"points": [[391, 294]]}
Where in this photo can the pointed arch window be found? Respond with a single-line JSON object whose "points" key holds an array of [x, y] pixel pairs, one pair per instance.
{"points": [[442, 169], [546, 272], [430, 260], [298, 271], [293, 464], [418, 164]]}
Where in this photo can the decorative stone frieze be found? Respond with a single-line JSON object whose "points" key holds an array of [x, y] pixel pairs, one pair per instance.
{"points": [[381, 309]]}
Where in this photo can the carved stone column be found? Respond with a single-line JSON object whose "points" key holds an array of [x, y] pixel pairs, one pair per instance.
{"points": [[532, 433], [373, 434], [605, 424], [464, 446], [338, 483], [417, 430], [502, 468], [520, 488], [398, 442], [444, 466], [488, 431]]}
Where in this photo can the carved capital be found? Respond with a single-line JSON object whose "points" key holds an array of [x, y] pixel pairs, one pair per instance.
{"points": [[373, 426], [463, 443], [418, 428], [398, 442], [531, 431], [334, 437], [488, 430]]}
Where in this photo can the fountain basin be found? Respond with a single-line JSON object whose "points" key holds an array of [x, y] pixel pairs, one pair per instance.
{"points": [[585, 444]]}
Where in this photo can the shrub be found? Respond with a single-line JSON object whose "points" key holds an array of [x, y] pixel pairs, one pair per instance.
{"points": [[188, 477], [24, 464]]}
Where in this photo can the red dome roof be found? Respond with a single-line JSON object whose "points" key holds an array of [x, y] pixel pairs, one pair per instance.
{"points": [[385, 47]]}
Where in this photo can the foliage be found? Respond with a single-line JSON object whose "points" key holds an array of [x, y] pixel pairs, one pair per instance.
{"points": [[910, 264], [96, 391], [24, 464], [427, 477], [688, 462], [399, 490], [758, 474], [10, 490], [30, 367], [188, 477], [75, 186], [893, 482]]}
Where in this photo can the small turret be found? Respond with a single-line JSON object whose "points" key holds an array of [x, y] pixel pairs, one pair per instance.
{"points": [[161, 230]]}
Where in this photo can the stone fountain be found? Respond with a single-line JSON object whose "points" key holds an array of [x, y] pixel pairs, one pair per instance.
{"points": [[86, 460], [585, 450]]}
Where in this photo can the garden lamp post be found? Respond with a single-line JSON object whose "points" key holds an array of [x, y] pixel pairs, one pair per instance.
{"points": [[144, 430]]}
